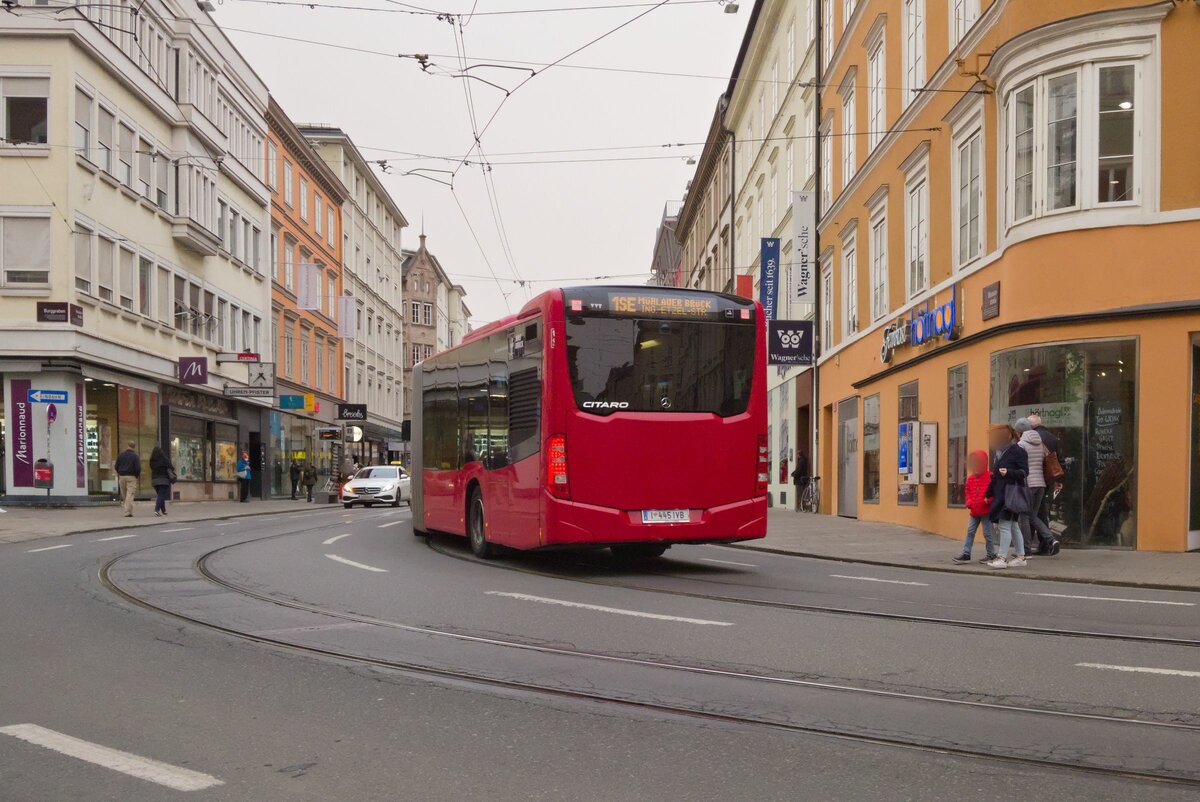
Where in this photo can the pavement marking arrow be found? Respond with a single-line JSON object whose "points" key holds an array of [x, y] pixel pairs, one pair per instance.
{"points": [[353, 564]]}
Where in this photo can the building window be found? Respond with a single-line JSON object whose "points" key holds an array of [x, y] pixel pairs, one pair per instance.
{"points": [[1116, 134], [791, 171], [849, 285], [83, 124], [963, 14], [826, 181], [427, 314], [849, 130], [318, 214], [333, 388], [289, 262], [125, 155], [105, 269], [791, 50], [273, 166], [166, 313], [879, 262], [969, 220], [106, 122], [1086, 393], [847, 13], [870, 450], [26, 113], [145, 168], [289, 348], [25, 250], [415, 311], [319, 370], [329, 225], [288, 197], [145, 285], [909, 412], [303, 356], [826, 33], [162, 171], [826, 307], [1062, 143], [83, 259], [916, 213], [914, 48], [956, 436], [304, 199], [876, 96], [415, 356]]}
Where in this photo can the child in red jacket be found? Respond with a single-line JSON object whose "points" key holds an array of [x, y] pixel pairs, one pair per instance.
{"points": [[978, 505]]}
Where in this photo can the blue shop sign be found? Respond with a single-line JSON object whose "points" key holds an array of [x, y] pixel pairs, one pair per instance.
{"points": [[921, 326]]}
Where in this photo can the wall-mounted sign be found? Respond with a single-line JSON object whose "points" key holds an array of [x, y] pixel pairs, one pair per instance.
{"points": [[291, 402], [352, 412], [921, 326], [53, 312], [22, 435], [790, 342], [768, 279], [329, 433], [991, 301], [928, 453], [249, 392], [261, 374], [244, 356], [906, 458], [804, 232], [354, 434], [193, 370]]}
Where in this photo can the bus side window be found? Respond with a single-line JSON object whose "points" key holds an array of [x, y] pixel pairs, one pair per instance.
{"points": [[524, 413], [497, 453]]}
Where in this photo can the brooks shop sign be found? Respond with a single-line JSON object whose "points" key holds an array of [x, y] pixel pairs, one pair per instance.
{"points": [[922, 325]]}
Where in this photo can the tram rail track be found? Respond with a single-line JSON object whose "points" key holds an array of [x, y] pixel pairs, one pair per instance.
{"points": [[1001, 626], [201, 566]]}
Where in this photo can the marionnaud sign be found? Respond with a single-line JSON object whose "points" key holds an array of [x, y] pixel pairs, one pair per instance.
{"points": [[768, 280], [922, 326]]}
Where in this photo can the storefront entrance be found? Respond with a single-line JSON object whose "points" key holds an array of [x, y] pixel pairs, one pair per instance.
{"points": [[848, 458], [1194, 484], [1086, 393]]}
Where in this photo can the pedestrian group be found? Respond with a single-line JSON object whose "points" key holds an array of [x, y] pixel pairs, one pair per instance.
{"points": [[1009, 500]]}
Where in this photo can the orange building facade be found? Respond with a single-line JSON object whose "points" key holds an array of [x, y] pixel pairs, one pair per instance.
{"points": [[1009, 223], [306, 269]]}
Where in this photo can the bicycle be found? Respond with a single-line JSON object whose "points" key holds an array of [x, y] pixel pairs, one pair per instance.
{"points": [[810, 498]]}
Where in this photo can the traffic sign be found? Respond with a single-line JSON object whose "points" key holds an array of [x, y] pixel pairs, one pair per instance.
{"points": [[47, 396], [249, 392], [245, 356], [51, 413]]}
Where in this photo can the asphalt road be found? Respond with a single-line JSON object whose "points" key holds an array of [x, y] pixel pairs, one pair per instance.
{"points": [[335, 656]]}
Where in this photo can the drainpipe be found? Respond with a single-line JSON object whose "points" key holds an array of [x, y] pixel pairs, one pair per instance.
{"points": [[732, 192]]}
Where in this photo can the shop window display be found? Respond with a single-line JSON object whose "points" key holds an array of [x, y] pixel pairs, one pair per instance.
{"points": [[114, 416], [1086, 394], [191, 450]]}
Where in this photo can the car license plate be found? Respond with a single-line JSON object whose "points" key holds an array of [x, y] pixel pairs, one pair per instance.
{"points": [[665, 516]]}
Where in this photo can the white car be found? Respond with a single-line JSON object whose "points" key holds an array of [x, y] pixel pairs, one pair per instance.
{"points": [[377, 484]]}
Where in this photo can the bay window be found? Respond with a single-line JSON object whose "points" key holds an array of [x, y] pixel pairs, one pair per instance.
{"points": [[1073, 141]]}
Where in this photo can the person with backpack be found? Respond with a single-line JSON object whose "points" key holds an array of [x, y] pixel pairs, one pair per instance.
{"points": [[979, 505], [1053, 468], [309, 479], [1008, 492], [1031, 441]]}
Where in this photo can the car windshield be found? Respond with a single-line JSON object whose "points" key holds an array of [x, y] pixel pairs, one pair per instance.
{"points": [[382, 472]]}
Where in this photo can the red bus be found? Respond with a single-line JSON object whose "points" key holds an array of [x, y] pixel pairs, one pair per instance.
{"points": [[628, 417]]}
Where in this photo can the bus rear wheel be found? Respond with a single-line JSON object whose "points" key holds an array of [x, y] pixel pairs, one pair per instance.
{"points": [[631, 552], [477, 527]]}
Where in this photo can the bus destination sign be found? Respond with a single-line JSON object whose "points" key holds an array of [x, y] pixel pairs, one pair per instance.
{"points": [[623, 303], [656, 303]]}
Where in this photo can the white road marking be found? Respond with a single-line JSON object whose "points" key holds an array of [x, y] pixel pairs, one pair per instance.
{"points": [[314, 628], [180, 529], [873, 579], [614, 610], [1107, 598], [335, 539], [726, 562], [228, 523], [114, 537], [179, 779], [393, 523], [49, 548], [1171, 672], [344, 561]]}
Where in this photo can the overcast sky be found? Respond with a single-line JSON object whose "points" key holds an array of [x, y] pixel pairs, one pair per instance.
{"points": [[563, 220]]}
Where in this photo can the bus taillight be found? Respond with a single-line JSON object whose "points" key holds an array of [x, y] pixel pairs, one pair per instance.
{"points": [[556, 466], [762, 470]]}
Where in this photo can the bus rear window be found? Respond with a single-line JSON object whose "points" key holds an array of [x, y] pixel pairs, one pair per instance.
{"points": [[642, 365]]}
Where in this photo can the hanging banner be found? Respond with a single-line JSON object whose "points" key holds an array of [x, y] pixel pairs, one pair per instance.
{"points": [[22, 435], [790, 342], [804, 232], [768, 279], [345, 316], [308, 287], [80, 439]]}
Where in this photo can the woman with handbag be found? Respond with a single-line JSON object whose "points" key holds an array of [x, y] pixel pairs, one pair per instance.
{"points": [[1010, 496], [162, 476]]}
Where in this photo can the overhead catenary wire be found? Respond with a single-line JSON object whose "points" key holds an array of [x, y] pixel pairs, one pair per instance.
{"points": [[469, 15]]}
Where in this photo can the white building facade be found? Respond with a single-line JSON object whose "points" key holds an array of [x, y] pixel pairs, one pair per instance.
{"points": [[372, 275], [133, 228]]}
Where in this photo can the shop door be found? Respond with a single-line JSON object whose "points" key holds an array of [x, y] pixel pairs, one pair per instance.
{"points": [[848, 458], [1194, 507]]}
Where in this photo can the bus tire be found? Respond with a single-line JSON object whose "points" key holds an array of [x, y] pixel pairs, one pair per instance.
{"points": [[632, 552], [477, 527]]}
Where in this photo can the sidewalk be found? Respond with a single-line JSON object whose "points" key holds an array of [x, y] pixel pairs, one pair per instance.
{"points": [[831, 538], [19, 524]]}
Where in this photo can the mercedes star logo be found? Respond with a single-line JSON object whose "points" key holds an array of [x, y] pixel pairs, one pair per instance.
{"points": [[666, 403]]}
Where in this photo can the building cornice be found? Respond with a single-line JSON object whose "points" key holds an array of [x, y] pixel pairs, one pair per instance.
{"points": [[302, 149]]}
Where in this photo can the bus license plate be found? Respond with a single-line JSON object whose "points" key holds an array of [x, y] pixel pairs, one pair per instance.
{"points": [[665, 516]]}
